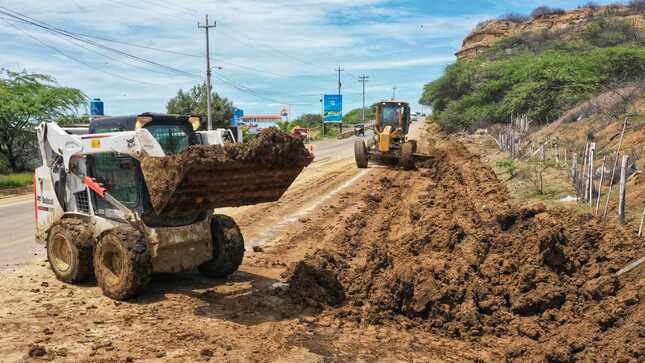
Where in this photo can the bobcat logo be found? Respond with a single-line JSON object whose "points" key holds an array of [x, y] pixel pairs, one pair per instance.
{"points": [[130, 142]]}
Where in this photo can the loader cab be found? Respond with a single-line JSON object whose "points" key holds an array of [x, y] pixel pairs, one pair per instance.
{"points": [[395, 114], [121, 174]]}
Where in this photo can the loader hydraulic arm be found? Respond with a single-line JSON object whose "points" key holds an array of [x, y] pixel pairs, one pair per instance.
{"points": [[55, 140]]}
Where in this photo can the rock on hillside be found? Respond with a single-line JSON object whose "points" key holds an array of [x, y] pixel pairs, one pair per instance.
{"points": [[489, 32]]}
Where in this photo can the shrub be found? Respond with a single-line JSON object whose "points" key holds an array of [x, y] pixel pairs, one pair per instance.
{"points": [[545, 10], [15, 180], [637, 6], [515, 17], [609, 32], [541, 86]]}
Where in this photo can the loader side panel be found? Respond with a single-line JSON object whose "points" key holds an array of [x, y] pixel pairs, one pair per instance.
{"points": [[47, 207]]}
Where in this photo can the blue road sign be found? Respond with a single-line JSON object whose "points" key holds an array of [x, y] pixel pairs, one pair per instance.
{"points": [[333, 108], [237, 116]]}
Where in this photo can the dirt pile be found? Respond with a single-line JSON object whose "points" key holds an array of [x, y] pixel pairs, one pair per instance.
{"points": [[215, 176], [443, 250]]}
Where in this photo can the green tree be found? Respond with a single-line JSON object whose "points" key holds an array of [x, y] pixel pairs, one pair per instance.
{"points": [[308, 120], [26, 100], [355, 116], [194, 102]]}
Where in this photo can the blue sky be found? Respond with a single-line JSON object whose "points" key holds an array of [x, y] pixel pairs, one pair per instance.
{"points": [[272, 52]]}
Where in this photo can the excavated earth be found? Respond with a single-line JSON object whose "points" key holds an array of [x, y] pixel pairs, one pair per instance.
{"points": [[230, 175], [432, 265], [443, 251]]}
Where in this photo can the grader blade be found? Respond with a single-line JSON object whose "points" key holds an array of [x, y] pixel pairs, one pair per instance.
{"points": [[215, 176]]}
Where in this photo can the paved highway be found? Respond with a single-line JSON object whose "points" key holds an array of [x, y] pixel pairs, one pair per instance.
{"points": [[17, 244]]}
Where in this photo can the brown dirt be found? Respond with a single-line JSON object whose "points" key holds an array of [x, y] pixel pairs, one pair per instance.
{"points": [[443, 251], [215, 176], [251, 317]]}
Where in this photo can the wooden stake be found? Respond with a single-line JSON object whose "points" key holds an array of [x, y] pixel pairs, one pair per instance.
{"points": [[602, 176], [592, 150], [621, 196], [613, 171], [640, 230]]}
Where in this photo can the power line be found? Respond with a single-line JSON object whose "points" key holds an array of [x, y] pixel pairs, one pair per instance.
{"points": [[63, 32], [76, 59]]}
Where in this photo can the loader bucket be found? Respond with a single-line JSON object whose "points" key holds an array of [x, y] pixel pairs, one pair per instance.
{"points": [[215, 176]]}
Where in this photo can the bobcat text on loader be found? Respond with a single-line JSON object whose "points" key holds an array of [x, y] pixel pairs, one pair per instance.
{"points": [[390, 145], [94, 213]]}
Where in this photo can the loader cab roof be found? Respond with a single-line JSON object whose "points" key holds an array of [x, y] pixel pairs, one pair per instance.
{"points": [[128, 123]]}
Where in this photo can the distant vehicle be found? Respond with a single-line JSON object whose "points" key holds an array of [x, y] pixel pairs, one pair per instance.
{"points": [[300, 131], [359, 130], [414, 116]]}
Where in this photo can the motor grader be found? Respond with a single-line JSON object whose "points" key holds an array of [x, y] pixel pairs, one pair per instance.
{"points": [[130, 196], [390, 145]]}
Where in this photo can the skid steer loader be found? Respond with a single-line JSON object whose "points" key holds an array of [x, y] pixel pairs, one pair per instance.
{"points": [[390, 145], [129, 196]]}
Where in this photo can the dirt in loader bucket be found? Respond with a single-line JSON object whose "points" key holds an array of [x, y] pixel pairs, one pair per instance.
{"points": [[215, 176]]}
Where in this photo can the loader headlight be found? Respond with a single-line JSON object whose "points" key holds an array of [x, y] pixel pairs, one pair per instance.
{"points": [[142, 121], [196, 122]]}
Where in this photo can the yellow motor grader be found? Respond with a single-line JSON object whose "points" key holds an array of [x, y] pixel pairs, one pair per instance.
{"points": [[390, 145]]}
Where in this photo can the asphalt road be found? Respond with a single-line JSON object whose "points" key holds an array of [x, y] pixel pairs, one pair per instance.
{"points": [[17, 243]]}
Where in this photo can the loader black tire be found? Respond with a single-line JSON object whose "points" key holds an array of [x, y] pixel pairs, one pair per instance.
{"points": [[122, 263], [228, 248], [360, 154], [69, 250], [407, 155]]}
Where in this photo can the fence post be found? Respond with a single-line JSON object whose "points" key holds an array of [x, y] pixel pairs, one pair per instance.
{"points": [[621, 197], [640, 230], [592, 150], [611, 182], [585, 176], [602, 177]]}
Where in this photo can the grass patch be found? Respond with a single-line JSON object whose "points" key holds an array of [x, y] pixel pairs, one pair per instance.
{"points": [[16, 180]]}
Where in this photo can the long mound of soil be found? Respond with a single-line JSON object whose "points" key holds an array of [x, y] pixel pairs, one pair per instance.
{"points": [[215, 176], [443, 250]]}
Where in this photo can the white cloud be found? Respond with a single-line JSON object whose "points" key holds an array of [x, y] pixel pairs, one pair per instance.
{"points": [[307, 38]]}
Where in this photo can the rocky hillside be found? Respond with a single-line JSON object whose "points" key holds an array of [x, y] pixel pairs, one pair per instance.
{"points": [[490, 32]]}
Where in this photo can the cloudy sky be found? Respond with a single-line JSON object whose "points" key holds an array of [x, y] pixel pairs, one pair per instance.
{"points": [[271, 52]]}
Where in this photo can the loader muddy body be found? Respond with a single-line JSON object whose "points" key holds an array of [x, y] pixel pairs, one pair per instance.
{"points": [[135, 195]]}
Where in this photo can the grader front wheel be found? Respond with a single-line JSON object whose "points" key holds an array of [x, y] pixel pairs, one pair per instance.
{"points": [[122, 263], [360, 154]]}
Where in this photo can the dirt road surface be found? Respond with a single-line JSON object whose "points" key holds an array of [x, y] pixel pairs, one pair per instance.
{"points": [[255, 316], [40, 311]]}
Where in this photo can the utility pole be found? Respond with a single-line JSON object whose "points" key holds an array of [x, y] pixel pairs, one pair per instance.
{"points": [[322, 116], [393, 93], [363, 79], [209, 97], [340, 84]]}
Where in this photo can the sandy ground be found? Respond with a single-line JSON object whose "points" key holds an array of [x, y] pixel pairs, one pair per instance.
{"points": [[185, 317], [250, 316]]}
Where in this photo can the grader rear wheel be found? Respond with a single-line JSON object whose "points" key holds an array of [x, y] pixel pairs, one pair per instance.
{"points": [[122, 263], [69, 250], [228, 248], [360, 154]]}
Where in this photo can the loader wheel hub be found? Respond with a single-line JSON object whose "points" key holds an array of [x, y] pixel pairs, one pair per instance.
{"points": [[61, 254]]}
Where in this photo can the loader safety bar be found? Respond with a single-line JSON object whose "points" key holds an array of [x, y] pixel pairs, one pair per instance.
{"points": [[95, 186]]}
